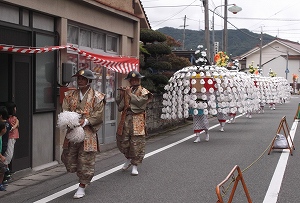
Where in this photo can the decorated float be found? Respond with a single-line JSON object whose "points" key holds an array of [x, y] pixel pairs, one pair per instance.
{"points": [[209, 89]]}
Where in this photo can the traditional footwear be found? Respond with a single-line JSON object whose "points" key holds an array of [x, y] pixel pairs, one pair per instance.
{"points": [[5, 182], [207, 138], [197, 140], [126, 165], [134, 171], [250, 116], [222, 129], [2, 187], [80, 193]]}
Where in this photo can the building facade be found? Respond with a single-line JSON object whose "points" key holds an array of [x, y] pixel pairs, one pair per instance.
{"points": [[34, 80]]}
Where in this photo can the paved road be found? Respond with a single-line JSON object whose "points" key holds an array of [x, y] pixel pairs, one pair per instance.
{"points": [[177, 170]]}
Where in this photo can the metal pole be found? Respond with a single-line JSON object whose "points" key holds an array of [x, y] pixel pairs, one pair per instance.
{"points": [[225, 28], [206, 24], [213, 26], [213, 33], [287, 65], [260, 51], [183, 40]]}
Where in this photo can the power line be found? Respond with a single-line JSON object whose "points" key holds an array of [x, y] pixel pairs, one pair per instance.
{"points": [[170, 6], [269, 19], [175, 14]]}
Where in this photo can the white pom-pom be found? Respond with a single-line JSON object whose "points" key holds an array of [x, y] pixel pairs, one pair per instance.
{"points": [[214, 112], [210, 81], [193, 81], [203, 90], [205, 111], [202, 81], [204, 97], [211, 90], [195, 112], [193, 90]]}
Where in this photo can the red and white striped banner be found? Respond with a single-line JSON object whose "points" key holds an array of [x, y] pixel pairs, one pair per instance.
{"points": [[29, 50], [116, 63]]}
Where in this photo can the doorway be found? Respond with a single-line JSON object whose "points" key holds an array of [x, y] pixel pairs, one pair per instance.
{"points": [[20, 93]]}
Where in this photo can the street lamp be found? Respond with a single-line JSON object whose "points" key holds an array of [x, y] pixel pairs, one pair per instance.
{"points": [[234, 9]]}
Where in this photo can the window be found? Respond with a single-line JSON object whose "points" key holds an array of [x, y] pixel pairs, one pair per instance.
{"points": [[112, 44], [85, 38], [98, 41], [25, 14], [45, 74], [9, 13], [43, 22], [73, 34]]}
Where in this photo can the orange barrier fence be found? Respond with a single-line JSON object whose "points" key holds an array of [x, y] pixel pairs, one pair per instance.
{"points": [[233, 177]]}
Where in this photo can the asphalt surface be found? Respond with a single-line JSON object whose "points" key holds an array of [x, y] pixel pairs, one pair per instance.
{"points": [[177, 170]]}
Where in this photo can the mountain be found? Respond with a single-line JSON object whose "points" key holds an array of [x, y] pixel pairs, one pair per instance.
{"points": [[239, 41]]}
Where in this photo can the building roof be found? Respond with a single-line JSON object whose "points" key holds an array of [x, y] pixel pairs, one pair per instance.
{"points": [[289, 44], [138, 12]]}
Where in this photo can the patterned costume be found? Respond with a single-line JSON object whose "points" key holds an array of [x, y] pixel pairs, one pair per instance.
{"points": [[131, 132], [80, 157]]}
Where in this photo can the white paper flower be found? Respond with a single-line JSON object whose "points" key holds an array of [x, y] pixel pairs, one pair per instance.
{"points": [[194, 97], [203, 90], [193, 81], [211, 90], [193, 90], [202, 81], [195, 112], [205, 111], [200, 105], [210, 81], [204, 97], [214, 112]]}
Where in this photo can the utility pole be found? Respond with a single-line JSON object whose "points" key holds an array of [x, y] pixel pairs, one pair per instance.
{"points": [[206, 27], [287, 65], [260, 51], [183, 40], [225, 38]]}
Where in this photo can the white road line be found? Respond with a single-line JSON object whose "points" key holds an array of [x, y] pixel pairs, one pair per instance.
{"points": [[275, 184], [106, 173]]}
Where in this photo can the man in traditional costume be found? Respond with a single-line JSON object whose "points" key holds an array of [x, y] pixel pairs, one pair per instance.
{"points": [[80, 157], [131, 132]]}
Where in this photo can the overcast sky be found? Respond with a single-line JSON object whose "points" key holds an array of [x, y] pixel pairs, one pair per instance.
{"points": [[274, 17]]}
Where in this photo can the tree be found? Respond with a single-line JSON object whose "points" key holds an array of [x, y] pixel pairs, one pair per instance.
{"points": [[156, 59]]}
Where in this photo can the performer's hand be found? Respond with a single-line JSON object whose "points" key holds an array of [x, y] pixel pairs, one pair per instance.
{"points": [[128, 90], [122, 92], [81, 121]]}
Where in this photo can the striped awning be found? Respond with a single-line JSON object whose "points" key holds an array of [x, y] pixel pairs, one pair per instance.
{"points": [[119, 64]]}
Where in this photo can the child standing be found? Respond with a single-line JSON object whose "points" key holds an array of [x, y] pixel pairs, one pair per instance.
{"points": [[13, 133], [2, 158], [3, 118]]}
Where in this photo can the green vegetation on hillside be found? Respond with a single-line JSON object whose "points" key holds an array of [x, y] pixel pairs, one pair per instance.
{"points": [[239, 41]]}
